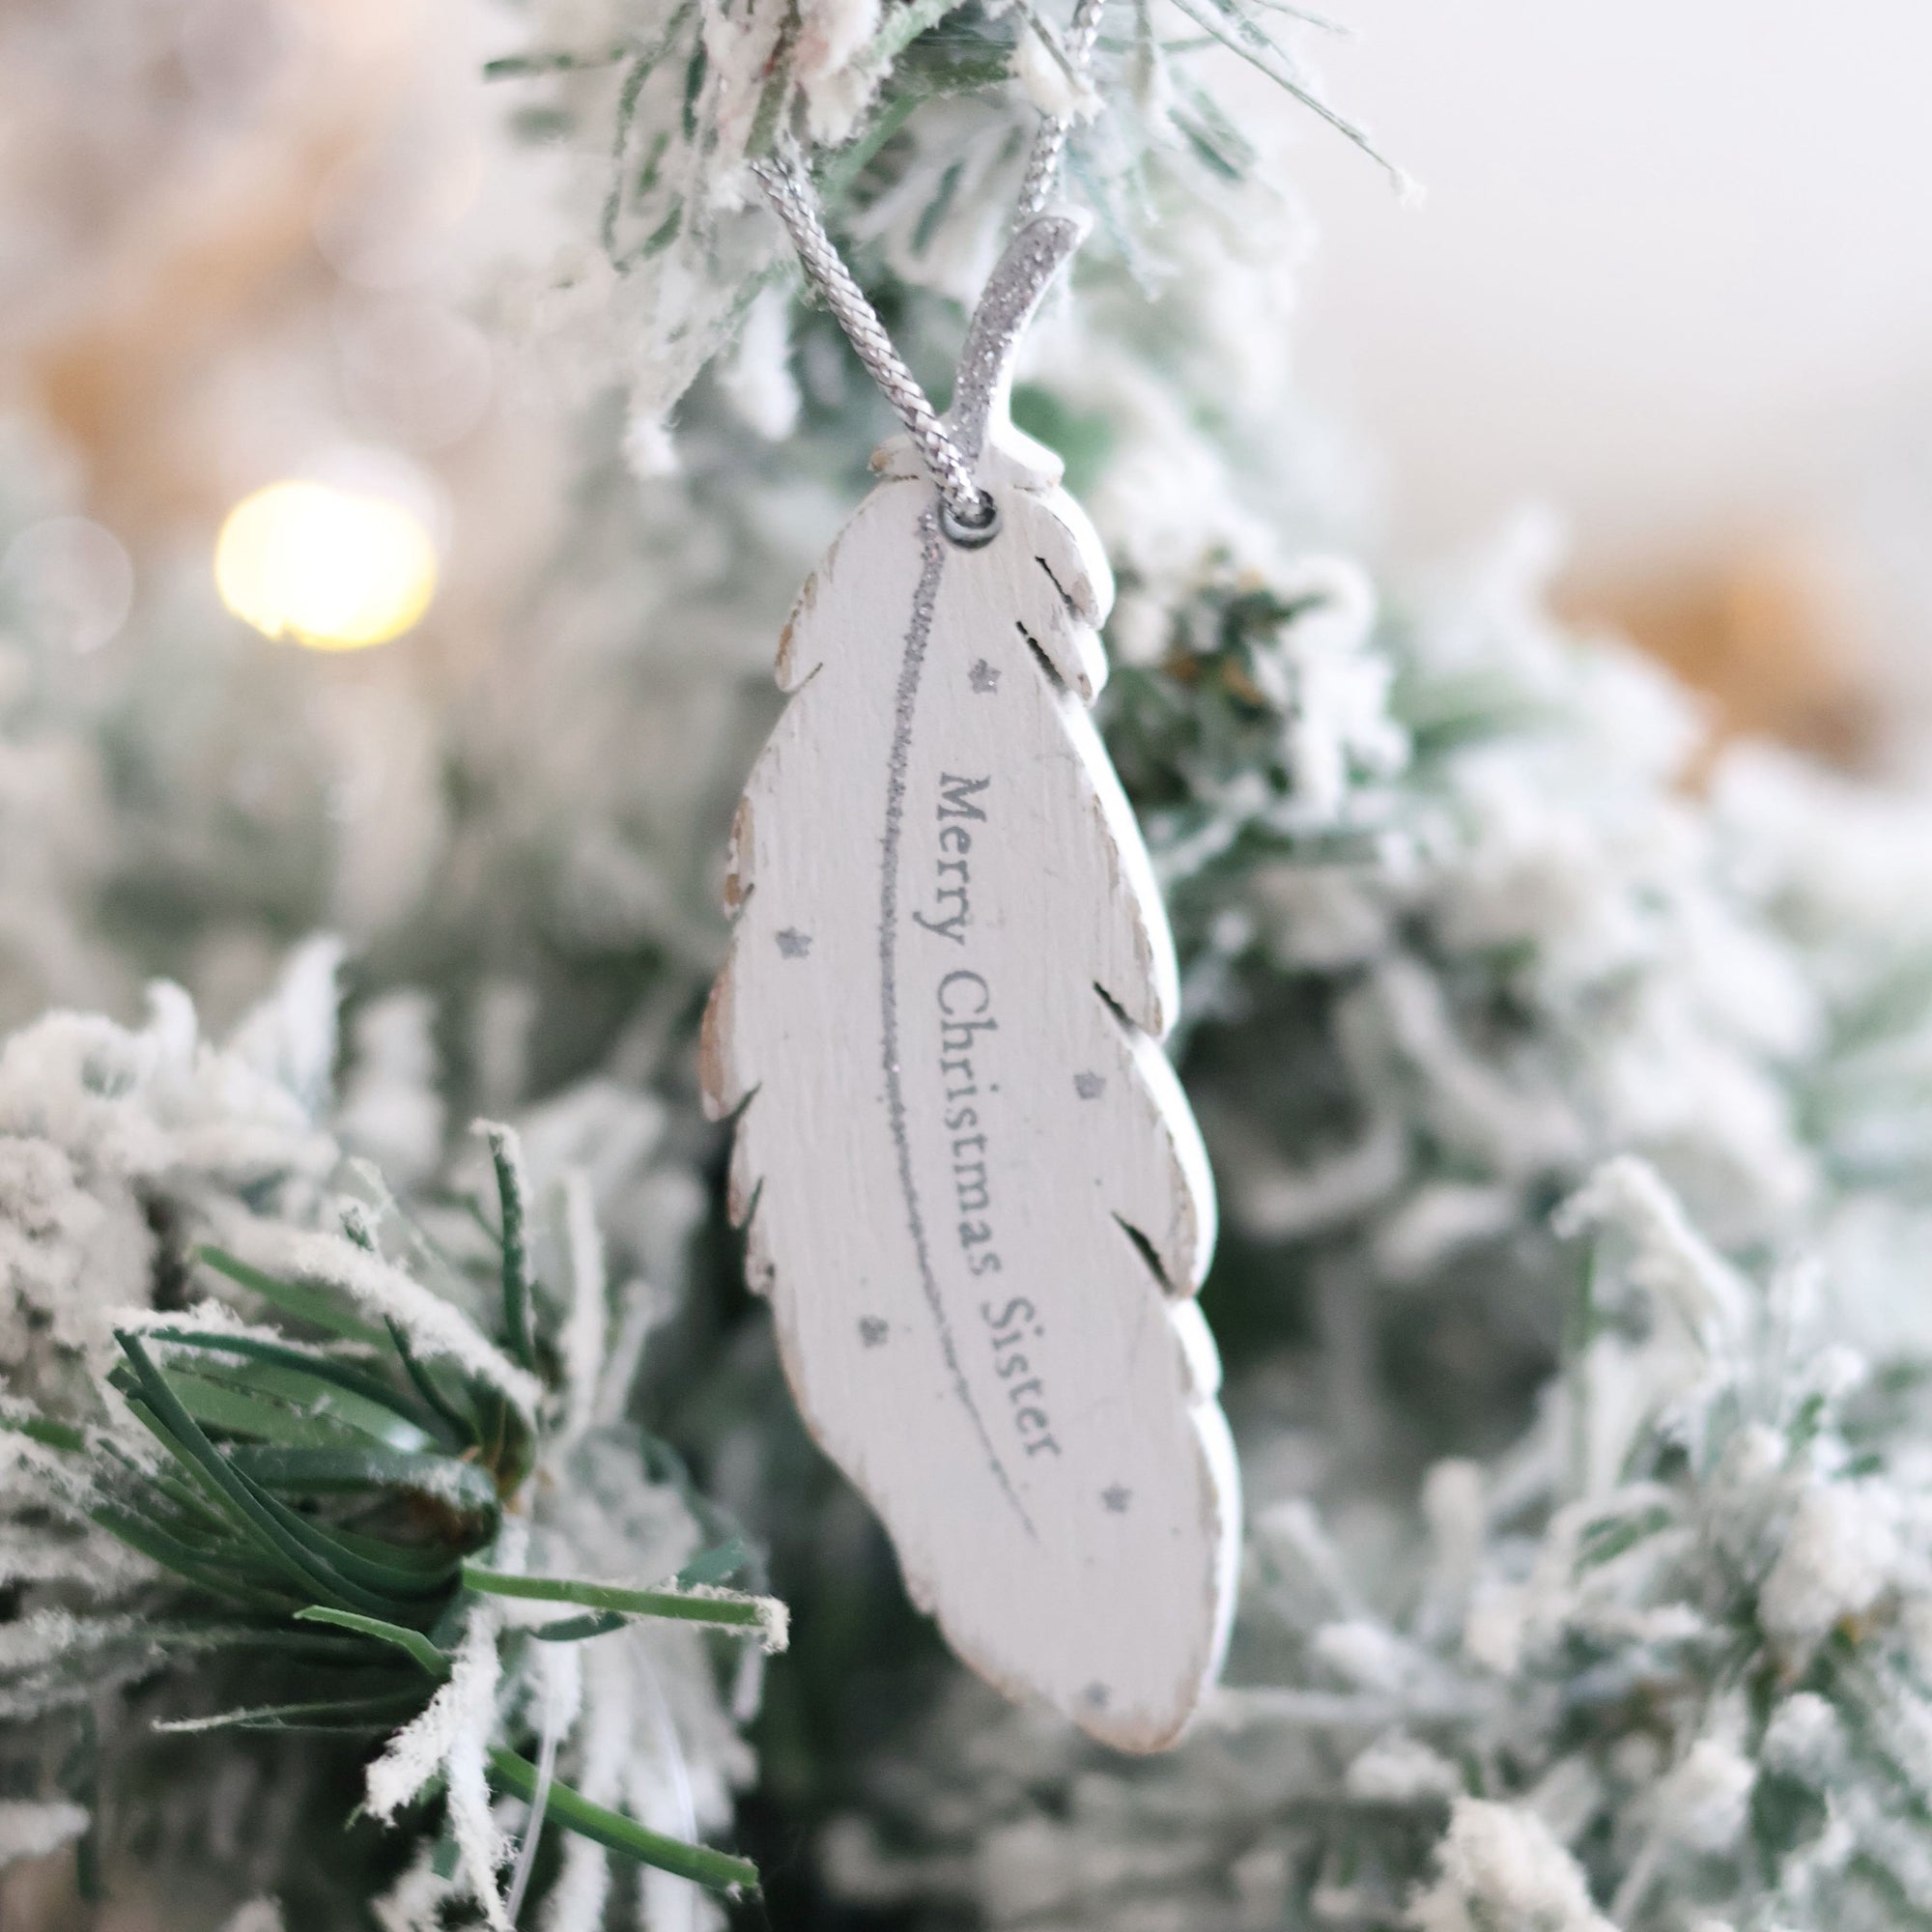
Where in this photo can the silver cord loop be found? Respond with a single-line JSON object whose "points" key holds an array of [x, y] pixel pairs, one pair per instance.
{"points": [[795, 203], [969, 516]]}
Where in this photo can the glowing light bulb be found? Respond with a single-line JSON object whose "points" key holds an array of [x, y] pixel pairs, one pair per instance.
{"points": [[327, 568]]}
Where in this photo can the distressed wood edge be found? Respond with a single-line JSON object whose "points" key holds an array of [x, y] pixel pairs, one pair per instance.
{"points": [[1219, 1471]]}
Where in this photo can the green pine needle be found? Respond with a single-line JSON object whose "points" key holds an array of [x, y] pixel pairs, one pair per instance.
{"points": [[311, 1305], [412, 1642], [519, 1290], [718, 1870], [729, 1610]]}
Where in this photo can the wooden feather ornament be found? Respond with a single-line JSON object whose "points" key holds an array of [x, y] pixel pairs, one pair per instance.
{"points": [[968, 1180]]}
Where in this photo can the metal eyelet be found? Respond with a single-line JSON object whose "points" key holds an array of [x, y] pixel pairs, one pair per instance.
{"points": [[970, 536]]}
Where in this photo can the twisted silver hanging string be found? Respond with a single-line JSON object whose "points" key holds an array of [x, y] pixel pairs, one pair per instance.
{"points": [[788, 188], [792, 200], [1049, 144]]}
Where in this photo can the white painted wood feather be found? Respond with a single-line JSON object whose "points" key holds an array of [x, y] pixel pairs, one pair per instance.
{"points": [[970, 1183]]}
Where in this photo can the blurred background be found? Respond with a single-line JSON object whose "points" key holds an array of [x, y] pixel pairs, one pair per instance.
{"points": [[1670, 275], [1667, 279]]}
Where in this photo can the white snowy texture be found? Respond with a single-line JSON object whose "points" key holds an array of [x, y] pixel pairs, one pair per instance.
{"points": [[120, 1147], [30, 1830], [1590, 1574], [1841, 1548], [1501, 1871]]}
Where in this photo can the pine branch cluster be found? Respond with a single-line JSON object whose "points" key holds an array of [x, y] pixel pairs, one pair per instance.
{"points": [[352, 1492], [913, 119]]}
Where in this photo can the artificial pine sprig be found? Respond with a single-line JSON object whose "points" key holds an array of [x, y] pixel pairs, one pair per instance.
{"points": [[914, 117], [351, 1499]]}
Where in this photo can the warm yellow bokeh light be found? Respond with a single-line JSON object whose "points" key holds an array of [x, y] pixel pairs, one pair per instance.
{"points": [[331, 570]]}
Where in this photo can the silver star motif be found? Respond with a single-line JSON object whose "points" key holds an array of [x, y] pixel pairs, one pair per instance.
{"points": [[1090, 1086], [1117, 1498], [793, 943], [983, 678], [873, 1330]]}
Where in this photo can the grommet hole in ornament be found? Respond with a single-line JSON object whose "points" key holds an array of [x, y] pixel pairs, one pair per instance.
{"points": [[970, 536]]}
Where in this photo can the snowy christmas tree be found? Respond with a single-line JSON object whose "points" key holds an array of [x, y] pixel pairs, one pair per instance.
{"points": [[394, 1519]]}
